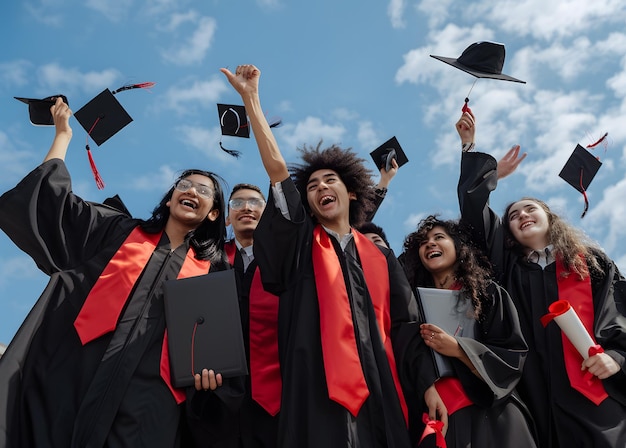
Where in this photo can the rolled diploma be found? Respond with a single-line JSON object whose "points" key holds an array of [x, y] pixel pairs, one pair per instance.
{"points": [[570, 324]]}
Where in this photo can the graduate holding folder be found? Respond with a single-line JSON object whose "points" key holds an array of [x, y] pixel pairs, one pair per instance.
{"points": [[475, 332], [90, 365]]}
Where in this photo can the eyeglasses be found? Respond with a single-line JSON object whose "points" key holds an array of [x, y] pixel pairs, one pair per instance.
{"points": [[240, 203], [202, 190]]}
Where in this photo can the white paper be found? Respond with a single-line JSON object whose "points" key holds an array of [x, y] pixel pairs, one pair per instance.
{"points": [[571, 325]]}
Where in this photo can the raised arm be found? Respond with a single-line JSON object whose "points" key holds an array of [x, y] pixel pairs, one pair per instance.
{"points": [[245, 80], [61, 114]]}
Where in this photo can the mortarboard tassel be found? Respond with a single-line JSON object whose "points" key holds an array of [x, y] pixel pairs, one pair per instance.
{"points": [[94, 169], [141, 85], [232, 152], [584, 194], [600, 140]]}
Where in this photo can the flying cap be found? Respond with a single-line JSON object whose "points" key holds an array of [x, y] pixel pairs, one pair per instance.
{"points": [[385, 153], [39, 109], [234, 122], [103, 117], [481, 59], [579, 171]]}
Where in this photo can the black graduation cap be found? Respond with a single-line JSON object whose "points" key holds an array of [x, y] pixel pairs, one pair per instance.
{"points": [[204, 330], [579, 171], [385, 153], [482, 60], [39, 109], [103, 117], [233, 122]]}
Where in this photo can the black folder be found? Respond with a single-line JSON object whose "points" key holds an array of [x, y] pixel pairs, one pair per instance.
{"points": [[204, 327], [443, 308]]}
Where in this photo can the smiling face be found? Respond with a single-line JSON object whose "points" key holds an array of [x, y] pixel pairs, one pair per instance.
{"points": [[529, 224], [437, 252], [245, 219], [329, 200], [194, 205]]}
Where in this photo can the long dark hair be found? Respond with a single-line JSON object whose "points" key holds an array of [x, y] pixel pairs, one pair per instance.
{"points": [[350, 168], [568, 241], [471, 268], [208, 238]]}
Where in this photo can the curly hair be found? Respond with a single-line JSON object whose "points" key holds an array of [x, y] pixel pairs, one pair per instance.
{"points": [[350, 168], [208, 238], [471, 268], [568, 241]]}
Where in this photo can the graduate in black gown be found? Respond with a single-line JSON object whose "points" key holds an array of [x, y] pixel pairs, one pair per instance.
{"points": [[537, 256], [88, 367], [481, 406], [346, 312], [254, 424]]}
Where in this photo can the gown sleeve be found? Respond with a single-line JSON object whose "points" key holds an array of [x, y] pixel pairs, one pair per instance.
{"points": [[56, 228], [497, 351], [277, 240], [479, 177]]}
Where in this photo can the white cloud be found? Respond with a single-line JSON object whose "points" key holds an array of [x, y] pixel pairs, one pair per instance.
{"points": [[43, 13], [438, 11], [367, 137], [395, 11], [309, 131], [15, 73], [15, 163], [54, 76], [115, 11], [165, 176], [178, 19], [191, 94], [194, 49], [207, 142], [548, 20]]}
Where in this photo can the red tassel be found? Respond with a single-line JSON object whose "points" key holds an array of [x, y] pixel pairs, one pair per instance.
{"points": [[141, 85], [600, 140], [584, 195], [94, 170], [466, 107]]}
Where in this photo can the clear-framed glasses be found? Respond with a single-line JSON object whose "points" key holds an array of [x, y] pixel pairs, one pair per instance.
{"points": [[202, 190], [240, 203]]}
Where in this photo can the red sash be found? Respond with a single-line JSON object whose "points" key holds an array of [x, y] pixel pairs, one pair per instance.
{"points": [[578, 294], [103, 306], [344, 374], [452, 394], [265, 378]]}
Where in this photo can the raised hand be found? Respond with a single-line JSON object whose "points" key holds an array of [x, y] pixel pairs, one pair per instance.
{"points": [[510, 162]]}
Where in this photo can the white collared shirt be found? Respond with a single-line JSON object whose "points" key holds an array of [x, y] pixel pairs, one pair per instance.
{"points": [[542, 257]]}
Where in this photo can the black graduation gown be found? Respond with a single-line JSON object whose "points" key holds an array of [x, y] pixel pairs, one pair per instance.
{"points": [[563, 416], [497, 418], [55, 392], [308, 418], [247, 425]]}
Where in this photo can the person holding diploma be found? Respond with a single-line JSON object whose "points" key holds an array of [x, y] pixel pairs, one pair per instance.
{"points": [[486, 350], [347, 317], [89, 366], [539, 259]]}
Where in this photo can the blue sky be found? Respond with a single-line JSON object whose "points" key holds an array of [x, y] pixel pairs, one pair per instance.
{"points": [[349, 72]]}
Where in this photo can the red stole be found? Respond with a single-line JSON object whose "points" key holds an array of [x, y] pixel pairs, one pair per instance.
{"points": [[344, 374], [103, 306], [578, 294], [265, 379]]}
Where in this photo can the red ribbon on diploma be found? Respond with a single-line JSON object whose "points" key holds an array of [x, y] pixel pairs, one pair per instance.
{"points": [[433, 427], [584, 382]]}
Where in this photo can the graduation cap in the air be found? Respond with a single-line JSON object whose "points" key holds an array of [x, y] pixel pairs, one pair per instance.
{"points": [[482, 60], [102, 118], [385, 153], [39, 109], [579, 171], [234, 122]]}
